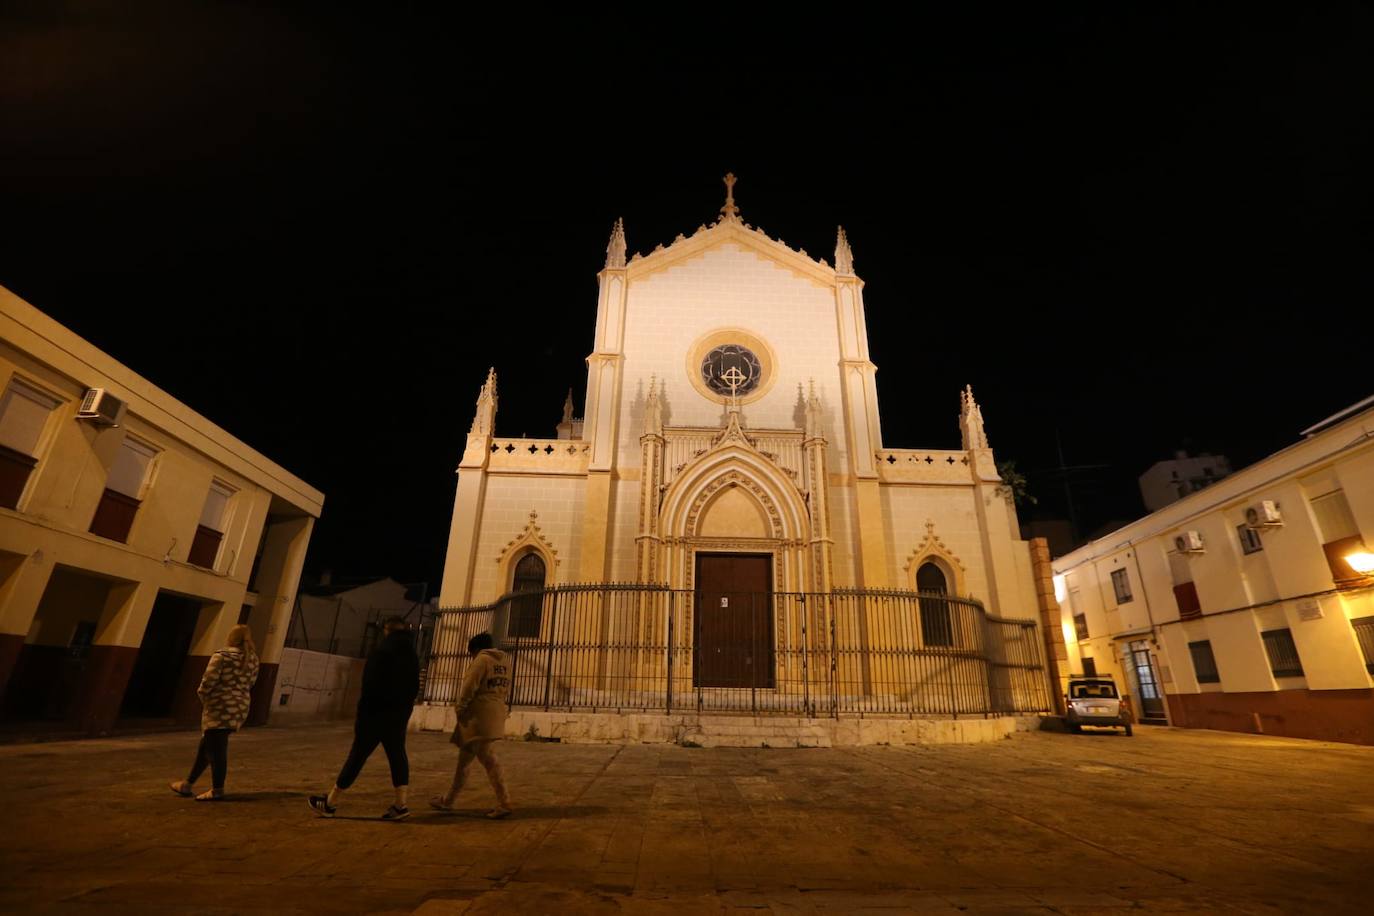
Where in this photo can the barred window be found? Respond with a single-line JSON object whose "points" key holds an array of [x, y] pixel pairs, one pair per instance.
{"points": [[1283, 654], [1204, 662], [1364, 632], [1080, 626], [1121, 584]]}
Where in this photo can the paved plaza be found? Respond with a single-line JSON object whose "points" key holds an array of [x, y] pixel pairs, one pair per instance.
{"points": [[1171, 820]]}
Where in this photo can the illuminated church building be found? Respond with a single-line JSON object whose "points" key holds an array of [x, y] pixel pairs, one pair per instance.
{"points": [[732, 414]]}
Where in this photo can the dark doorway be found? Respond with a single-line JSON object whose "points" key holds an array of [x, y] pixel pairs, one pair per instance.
{"points": [[152, 686], [734, 621], [49, 674], [1143, 672]]}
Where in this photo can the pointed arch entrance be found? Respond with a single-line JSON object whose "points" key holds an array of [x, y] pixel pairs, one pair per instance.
{"points": [[735, 530]]}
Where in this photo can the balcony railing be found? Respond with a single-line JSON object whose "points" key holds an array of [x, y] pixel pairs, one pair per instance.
{"points": [[627, 647]]}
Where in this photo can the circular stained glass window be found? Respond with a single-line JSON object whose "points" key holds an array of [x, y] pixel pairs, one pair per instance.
{"points": [[731, 368]]}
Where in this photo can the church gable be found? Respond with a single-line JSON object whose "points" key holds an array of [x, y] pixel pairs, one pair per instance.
{"points": [[736, 235]]}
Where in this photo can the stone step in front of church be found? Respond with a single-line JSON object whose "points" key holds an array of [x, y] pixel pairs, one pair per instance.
{"points": [[695, 730]]}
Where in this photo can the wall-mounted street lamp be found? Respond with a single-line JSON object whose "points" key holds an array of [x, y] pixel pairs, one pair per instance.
{"points": [[1362, 562]]}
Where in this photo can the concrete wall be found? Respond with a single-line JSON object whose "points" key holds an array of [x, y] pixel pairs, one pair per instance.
{"points": [[317, 687]]}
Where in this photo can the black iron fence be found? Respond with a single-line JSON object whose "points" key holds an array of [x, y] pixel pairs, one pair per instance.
{"points": [[614, 647]]}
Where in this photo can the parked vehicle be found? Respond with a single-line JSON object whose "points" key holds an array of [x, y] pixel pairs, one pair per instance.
{"points": [[1094, 701]]}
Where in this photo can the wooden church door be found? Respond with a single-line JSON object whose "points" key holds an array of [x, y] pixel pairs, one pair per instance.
{"points": [[734, 621]]}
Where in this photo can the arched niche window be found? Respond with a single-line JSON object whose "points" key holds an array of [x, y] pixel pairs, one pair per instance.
{"points": [[937, 624], [526, 610]]}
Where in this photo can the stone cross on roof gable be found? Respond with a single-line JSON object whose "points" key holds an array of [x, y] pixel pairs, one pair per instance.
{"points": [[730, 211]]}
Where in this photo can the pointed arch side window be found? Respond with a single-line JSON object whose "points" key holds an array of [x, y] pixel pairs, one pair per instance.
{"points": [[937, 624], [526, 611]]}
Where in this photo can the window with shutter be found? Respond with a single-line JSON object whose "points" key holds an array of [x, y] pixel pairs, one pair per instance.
{"points": [[1121, 584], [114, 516], [1185, 592], [210, 531], [1340, 535], [24, 414]]}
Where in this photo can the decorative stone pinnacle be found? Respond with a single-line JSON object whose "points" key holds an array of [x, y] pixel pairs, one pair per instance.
{"points": [[653, 409], [730, 211], [568, 407], [484, 420], [615, 249], [844, 255], [971, 421]]}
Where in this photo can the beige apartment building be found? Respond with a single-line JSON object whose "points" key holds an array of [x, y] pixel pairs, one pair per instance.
{"points": [[1248, 605], [133, 534]]}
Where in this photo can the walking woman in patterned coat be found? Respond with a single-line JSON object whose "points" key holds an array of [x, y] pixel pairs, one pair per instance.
{"points": [[225, 692]]}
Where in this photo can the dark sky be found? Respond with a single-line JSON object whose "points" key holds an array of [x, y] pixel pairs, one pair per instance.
{"points": [[1146, 229]]}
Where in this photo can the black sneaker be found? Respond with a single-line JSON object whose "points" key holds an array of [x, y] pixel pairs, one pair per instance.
{"points": [[395, 813], [321, 806]]}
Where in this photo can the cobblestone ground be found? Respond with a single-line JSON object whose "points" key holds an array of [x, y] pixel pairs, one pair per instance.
{"points": [[1179, 821]]}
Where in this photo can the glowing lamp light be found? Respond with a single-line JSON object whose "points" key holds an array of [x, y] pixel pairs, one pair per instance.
{"points": [[1362, 562]]}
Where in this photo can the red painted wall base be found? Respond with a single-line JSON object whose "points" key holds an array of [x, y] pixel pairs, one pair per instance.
{"points": [[1323, 715]]}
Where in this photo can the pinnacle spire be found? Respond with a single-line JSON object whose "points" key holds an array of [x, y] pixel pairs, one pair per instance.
{"points": [[844, 255], [653, 409], [484, 420], [615, 249], [568, 408], [971, 420]]}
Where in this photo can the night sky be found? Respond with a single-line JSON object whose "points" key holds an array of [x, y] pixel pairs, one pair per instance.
{"points": [[1145, 230]]}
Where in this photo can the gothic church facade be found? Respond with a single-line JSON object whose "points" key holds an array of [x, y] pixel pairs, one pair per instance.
{"points": [[732, 410]]}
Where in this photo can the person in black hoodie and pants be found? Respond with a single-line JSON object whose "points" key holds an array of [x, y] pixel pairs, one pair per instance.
{"points": [[391, 680]]}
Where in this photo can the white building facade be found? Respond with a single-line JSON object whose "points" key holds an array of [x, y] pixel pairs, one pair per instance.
{"points": [[1244, 606]]}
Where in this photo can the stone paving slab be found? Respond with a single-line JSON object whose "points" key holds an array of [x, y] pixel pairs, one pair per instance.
{"points": [[1169, 821]]}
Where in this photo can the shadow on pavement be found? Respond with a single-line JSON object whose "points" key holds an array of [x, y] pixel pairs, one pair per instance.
{"points": [[556, 812]]}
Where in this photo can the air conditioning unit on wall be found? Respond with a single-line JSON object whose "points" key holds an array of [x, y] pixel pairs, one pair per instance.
{"points": [[101, 407], [1264, 514], [1189, 542]]}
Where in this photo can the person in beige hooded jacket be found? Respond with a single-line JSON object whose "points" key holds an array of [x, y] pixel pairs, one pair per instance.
{"points": [[481, 707]]}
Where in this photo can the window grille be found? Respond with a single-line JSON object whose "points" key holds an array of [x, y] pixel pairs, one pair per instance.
{"points": [[1204, 662], [1283, 654], [1364, 633]]}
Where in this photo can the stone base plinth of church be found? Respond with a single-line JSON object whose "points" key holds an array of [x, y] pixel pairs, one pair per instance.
{"points": [[696, 730]]}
